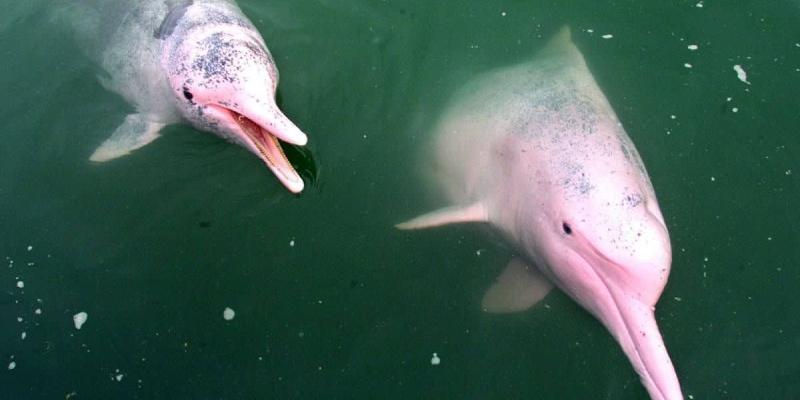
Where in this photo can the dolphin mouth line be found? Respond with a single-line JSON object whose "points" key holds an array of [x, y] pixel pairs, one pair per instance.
{"points": [[647, 374], [270, 150]]}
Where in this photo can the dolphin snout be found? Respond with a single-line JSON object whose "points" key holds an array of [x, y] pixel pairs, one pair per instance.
{"points": [[638, 334]]}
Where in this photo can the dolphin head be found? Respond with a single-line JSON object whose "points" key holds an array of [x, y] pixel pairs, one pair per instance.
{"points": [[611, 252], [223, 79]]}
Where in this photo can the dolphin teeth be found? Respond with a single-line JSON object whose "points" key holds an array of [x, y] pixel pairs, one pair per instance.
{"points": [[270, 149]]}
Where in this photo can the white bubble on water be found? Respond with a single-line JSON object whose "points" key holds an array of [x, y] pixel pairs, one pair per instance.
{"points": [[741, 73], [228, 314], [79, 319]]}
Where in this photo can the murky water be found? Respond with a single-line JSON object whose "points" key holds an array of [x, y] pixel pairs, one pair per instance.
{"points": [[330, 301]]}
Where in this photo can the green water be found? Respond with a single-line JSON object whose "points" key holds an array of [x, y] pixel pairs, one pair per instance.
{"points": [[330, 300]]}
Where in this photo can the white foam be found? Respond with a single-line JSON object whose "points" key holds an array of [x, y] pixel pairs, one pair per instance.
{"points": [[228, 314], [20, 284], [12, 365], [608, 36], [435, 360], [692, 47], [740, 73], [79, 319]]}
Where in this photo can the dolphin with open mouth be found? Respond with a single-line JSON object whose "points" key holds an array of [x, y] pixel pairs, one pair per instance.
{"points": [[200, 61]]}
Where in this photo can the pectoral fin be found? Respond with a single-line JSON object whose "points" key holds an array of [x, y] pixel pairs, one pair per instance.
{"points": [[519, 287], [134, 133], [475, 212]]}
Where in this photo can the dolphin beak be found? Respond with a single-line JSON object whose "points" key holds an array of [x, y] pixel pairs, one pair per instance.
{"points": [[262, 131], [636, 330]]}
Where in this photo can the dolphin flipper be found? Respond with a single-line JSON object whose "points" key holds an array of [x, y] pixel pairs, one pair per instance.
{"points": [[135, 132], [519, 287], [475, 212]]}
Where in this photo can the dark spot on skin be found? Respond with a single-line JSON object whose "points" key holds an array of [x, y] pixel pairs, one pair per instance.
{"points": [[632, 200], [205, 224], [567, 229], [187, 94]]}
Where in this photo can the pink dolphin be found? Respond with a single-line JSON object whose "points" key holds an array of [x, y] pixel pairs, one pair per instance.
{"points": [[536, 151], [200, 61]]}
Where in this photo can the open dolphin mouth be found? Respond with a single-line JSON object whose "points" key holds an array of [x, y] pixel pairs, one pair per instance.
{"points": [[268, 147]]}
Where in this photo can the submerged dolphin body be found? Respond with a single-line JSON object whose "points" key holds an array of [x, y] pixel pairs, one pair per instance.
{"points": [[536, 151], [199, 61]]}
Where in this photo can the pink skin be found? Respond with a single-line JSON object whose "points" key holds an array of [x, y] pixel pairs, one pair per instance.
{"points": [[619, 282], [224, 80], [536, 151], [609, 251]]}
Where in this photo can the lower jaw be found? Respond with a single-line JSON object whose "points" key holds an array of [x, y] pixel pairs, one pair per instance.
{"points": [[268, 147]]}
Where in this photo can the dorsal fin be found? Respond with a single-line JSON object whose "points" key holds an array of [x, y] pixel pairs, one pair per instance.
{"points": [[171, 19], [560, 42]]}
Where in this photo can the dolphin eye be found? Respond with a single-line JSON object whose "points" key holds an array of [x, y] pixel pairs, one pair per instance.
{"points": [[567, 229], [187, 94]]}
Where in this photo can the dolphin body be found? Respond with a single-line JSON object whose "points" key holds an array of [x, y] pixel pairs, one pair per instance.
{"points": [[200, 61], [536, 151]]}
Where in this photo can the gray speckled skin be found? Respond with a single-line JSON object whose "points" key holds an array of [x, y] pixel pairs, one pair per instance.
{"points": [[545, 121], [536, 151], [129, 40], [118, 35], [224, 57], [201, 61]]}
